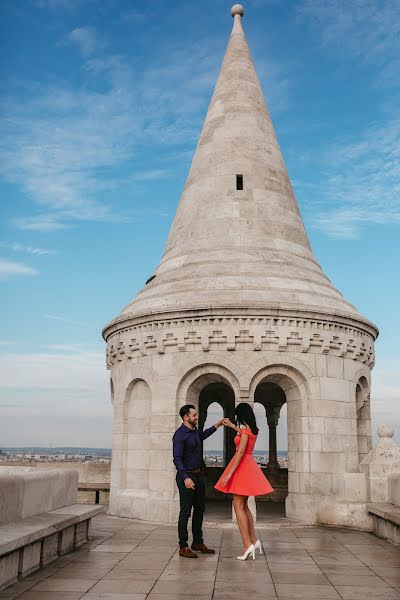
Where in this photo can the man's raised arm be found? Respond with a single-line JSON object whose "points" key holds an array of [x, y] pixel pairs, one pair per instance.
{"points": [[207, 432]]}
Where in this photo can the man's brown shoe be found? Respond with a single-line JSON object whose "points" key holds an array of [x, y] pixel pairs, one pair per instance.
{"points": [[187, 553], [202, 548]]}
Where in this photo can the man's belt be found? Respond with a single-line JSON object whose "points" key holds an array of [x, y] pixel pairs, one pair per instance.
{"points": [[194, 471]]}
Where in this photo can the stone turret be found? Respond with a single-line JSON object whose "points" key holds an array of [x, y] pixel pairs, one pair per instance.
{"points": [[239, 300]]}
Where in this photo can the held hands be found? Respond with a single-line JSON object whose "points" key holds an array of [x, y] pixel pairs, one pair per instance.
{"points": [[228, 423], [189, 483], [225, 422]]}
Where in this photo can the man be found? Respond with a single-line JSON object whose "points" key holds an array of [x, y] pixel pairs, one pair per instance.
{"points": [[188, 458]]}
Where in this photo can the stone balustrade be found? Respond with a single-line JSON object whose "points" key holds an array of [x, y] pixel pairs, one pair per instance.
{"points": [[382, 469]]}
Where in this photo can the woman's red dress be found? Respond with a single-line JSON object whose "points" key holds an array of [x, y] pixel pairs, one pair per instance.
{"points": [[248, 479]]}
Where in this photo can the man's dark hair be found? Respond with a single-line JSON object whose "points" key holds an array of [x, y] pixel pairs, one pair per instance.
{"points": [[185, 410]]}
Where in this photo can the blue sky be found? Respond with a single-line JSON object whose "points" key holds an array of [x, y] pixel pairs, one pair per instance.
{"points": [[102, 105]]}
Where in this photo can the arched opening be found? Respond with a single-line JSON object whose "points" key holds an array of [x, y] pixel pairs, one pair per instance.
{"points": [[206, 386], [137, 420], [363, 408], [214, 446], [283, 393], [220, 397], [271, 397]]}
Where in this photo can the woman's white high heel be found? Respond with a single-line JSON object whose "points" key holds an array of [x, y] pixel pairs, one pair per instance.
{"points": [[258, 546], [250, 550]]}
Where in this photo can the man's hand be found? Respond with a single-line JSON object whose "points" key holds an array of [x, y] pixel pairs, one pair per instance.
{"points": [[189, 483], [221, 422]]}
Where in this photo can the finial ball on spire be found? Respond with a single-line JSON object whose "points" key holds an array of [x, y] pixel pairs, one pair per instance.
{"points": [[237, 9]]}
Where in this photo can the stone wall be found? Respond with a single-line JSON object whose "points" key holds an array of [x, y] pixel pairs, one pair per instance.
{"points": [[25, 493], [88, 473]]}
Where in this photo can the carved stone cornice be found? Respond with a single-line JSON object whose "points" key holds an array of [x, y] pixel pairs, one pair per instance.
{"points": [[251, 311], [231, 333]]}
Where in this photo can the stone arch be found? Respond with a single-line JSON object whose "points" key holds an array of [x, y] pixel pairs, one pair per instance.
{"points": [[363, 412], [282, 365], [137, 401], [362, 373], [201, 385], [200, 373], [282, 373], [137, 412], [123, 379], [284, 379]]}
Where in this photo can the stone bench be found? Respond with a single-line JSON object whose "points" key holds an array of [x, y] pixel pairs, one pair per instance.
{"points": [[32, 543], [386, 515], [386, 520], [35, 524], [94, 487]]}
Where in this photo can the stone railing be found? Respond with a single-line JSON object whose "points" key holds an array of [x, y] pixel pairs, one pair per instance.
{"points": [[382, 468]]}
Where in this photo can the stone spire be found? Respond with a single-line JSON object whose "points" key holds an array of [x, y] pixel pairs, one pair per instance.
{"points": [[232, 248]]}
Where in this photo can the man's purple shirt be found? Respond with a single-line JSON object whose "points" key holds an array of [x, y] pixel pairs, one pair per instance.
{"points": [[188, 448]]}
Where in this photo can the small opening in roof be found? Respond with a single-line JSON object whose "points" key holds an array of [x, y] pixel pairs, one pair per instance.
{"points": [[150, 279], [239, 182]]}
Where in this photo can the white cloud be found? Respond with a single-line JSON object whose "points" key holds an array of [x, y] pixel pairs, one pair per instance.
{"points": [[60, 4], [366, 30], [86, 39], [65, 320], [60, 396], [70, 149], [361, 175], [148, 175], [361, 181], [77, 370], [17, 247], [42, 223], [66, 147], [9, 268]]}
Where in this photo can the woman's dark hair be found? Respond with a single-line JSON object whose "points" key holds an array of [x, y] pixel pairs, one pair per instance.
{"points": [[245, 415]]}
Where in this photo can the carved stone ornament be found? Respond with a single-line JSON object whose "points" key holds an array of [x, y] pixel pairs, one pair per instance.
{"points": [[240, 333]]}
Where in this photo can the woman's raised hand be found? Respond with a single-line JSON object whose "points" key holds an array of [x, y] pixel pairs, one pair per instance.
{"points": [[228, 423]]}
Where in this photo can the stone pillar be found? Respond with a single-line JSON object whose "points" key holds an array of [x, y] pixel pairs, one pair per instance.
{"points": [[273, 411], [273, 453], [380, 463]]}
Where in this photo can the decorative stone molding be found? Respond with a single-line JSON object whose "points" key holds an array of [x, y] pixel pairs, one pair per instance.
{"points": [[233, 333]]}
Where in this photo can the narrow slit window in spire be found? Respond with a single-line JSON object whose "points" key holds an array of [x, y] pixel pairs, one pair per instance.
{"points": [[239, 182]]}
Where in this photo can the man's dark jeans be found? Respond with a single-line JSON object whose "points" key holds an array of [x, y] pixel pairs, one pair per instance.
{"points": [[191, 499]]}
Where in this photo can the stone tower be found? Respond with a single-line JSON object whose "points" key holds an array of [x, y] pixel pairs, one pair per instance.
{"points": [[240, 310]]}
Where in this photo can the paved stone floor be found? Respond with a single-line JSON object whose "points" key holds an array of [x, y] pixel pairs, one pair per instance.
{"points": [[130, 560]]}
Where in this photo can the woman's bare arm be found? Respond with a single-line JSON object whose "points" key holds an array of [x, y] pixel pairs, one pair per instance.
{"points": [[238, 456], [228, 423]]}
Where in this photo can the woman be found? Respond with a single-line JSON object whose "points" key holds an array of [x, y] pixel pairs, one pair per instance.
{"points": [[243, 477]]}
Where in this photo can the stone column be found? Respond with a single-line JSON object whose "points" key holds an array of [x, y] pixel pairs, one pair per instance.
{"points": [[273, 411]]}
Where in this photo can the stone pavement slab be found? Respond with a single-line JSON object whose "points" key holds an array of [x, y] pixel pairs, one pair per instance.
{"points": [[307, 563]]}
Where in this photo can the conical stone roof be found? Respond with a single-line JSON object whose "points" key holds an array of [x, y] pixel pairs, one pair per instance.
{"points": [[238, 249]]}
